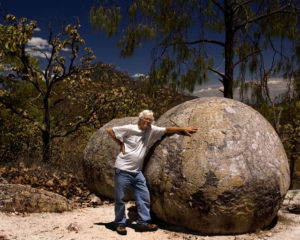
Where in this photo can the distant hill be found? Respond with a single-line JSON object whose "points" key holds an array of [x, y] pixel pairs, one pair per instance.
{"points": [[158, 101]]}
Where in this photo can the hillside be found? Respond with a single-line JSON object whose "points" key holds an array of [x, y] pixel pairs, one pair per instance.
{"points": [[159, 100]]}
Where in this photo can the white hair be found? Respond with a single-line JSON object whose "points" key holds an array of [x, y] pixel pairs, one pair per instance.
{"points": [[146, 112]]}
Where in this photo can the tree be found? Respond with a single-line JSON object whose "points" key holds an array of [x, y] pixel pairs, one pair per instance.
{"points": [[42, 92], [183, 29]]}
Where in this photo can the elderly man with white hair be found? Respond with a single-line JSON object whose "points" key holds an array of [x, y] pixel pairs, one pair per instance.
{"points": [[133, 140]]}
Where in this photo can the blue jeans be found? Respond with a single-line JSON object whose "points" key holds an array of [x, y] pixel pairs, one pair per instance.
{"points": [[136, 182]]}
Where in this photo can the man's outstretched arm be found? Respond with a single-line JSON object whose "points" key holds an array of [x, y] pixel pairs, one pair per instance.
{"points": [[187, 130]]}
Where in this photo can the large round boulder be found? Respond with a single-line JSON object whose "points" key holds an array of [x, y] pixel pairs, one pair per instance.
{"points": [[99, 158], [229, 177]]}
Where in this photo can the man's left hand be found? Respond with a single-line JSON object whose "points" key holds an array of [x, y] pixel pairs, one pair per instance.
{"points": [[190, 130]]}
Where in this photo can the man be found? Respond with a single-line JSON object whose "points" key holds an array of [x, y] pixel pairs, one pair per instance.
{"points": [[133, 140]]}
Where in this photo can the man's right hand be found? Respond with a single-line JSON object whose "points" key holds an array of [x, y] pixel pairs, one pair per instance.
{"points": [[122, 148]]}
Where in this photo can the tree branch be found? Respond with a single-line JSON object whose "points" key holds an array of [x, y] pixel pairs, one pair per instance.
{"points": [[218, 5], [25, 72], [247, 56], [241, 5], [255, 19], [203, 41], [20, 113], [77, 125], [222, 75]]}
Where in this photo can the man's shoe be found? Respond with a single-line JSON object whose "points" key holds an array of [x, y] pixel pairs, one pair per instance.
{"points": [[121, 230], [146, 227]]}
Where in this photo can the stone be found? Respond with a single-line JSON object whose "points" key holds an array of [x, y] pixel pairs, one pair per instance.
{"points": [[100, 154], [291, 202], [94, 199], [230, 177], [74, 227], [4, 237], [23, 198]]}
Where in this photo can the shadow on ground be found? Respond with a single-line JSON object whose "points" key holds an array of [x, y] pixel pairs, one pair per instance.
{"points": [[133, 216]]}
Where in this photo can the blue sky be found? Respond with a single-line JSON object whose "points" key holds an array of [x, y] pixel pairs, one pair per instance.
{"points": [[105, 50], [56, 11]]}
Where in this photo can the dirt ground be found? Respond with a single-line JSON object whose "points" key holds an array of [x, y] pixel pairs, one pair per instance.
{"points": [[93, 223]]}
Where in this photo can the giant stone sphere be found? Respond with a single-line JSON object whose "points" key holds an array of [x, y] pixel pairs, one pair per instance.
{"points": [[229, 177], [99, 159]]}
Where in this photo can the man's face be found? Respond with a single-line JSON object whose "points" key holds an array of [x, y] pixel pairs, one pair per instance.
{"points": [[145, 122]]}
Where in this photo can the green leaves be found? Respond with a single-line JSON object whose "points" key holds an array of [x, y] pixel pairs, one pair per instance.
{"points": [[106, 19], [182, 30]]}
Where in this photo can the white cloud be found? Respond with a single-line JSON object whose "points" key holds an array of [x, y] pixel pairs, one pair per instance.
{"points": [[138, 75], [5, 67], [205, 90], [37, 30], [276, 81], [66, 49], [209, 90], [38, 43], [276, 86], [36, 53], [38, 47]]}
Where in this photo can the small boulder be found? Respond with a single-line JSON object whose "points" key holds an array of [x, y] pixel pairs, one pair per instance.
{"points": [[23, 198], [94, 199], [74, 227]]}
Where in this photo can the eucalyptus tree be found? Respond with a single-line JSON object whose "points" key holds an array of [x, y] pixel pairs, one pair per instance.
{"points": [[187, 34]]}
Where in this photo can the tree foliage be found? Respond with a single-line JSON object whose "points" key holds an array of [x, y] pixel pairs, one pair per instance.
{"points": [[35, 89], [19, 138], [184, 30], [115, 95], [124, 96], [51, 104]]}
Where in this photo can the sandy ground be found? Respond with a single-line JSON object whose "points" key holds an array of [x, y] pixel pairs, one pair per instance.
{"points": [[92, 223]]}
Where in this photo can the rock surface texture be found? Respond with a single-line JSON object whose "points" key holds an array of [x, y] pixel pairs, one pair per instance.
{"points": [[99, 158], [21, 198], [230, 177]]}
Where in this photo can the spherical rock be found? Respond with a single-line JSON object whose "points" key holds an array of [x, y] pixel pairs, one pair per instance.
{"points": [[229, 177], [99, 158]]}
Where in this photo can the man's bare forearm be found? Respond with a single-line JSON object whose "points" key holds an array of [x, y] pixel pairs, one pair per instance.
{"points": [[186, 130], [174, 129], [110, 131], [113, 136]]}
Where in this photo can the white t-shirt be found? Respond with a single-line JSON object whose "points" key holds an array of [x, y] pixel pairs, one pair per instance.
{"points": [[135, 142]]}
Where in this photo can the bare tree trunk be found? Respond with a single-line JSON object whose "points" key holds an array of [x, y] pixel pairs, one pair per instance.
{"points": [[229, 38], [292, 170], [46, 151]]}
